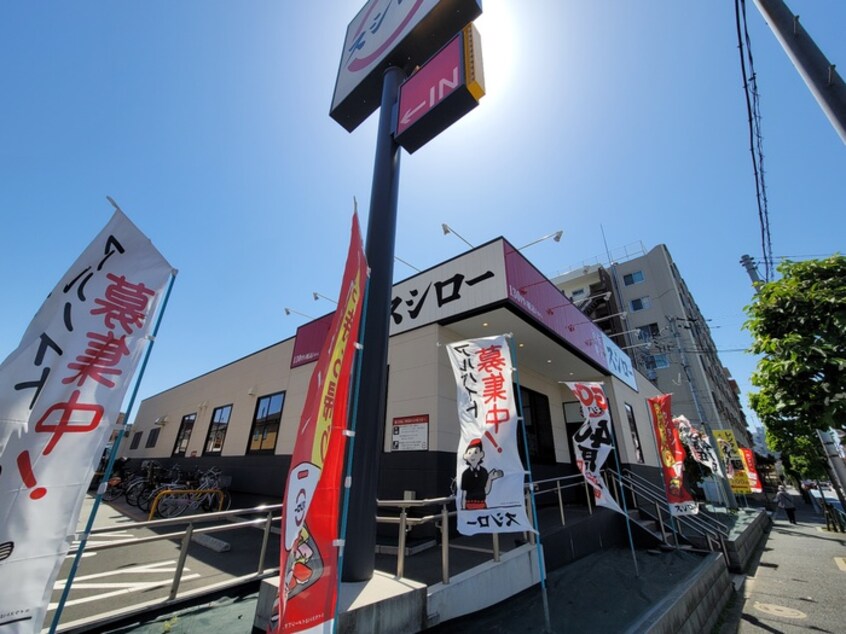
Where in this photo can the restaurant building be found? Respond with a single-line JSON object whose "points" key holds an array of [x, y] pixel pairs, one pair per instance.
{"points": [[242, 417]]}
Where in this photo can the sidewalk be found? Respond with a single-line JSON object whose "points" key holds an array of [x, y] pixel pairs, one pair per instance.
{"points": [[798, 583]]}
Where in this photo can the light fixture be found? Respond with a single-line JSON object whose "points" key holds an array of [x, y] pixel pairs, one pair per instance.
{"points": [[556, 236], [603, 296], [251, 391], [621, 315], [289, 311], [484, 324], [317, 296], [447, 229]]}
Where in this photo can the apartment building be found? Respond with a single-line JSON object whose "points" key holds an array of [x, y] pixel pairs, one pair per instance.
{"points": [[645, 305]]}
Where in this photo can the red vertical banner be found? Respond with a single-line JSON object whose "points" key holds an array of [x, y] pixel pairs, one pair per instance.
{"points": [[672, 454], [309, 554], [751, 469]]}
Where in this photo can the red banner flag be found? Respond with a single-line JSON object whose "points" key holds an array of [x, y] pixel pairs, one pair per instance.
{"points": [[671, 453], [751, 469], [309, 555]]}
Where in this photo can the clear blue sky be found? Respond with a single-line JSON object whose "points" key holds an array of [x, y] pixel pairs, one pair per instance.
{"points": [[208, 123]]}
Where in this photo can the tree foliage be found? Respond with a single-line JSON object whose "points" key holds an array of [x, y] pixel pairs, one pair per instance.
{"points": [[798, 324]]}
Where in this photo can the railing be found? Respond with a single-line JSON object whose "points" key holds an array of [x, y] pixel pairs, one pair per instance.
{"points": [[269, 515], [196, 495], [647, 496]]}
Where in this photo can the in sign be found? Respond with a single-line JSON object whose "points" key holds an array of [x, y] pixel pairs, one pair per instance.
{"points": [[446, 88]]}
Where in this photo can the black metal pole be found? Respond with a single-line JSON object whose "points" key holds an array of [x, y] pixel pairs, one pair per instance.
{"points": [[360, 549]]}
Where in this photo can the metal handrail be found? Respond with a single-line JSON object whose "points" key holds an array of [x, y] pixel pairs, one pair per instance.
{"points": [[659, 493], [193, 492]]}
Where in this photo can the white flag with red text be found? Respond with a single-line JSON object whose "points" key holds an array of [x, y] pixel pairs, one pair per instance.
{"points": [[489, 473], [60, 396]]}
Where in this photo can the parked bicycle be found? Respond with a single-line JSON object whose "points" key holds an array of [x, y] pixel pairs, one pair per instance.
{"points": [[207, 494]]}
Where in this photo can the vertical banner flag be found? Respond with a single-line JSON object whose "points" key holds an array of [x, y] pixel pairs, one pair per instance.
{"points": [[308, 565], [751, 469], [672, 455], [592, 443], [60, 396], [698, 444], [489, 498], [730, 451]]}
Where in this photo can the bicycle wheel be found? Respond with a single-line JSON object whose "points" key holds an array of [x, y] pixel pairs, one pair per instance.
{"points": [[147, 495], [212, 501], [114, 490], [173, 504], [133, 492]]}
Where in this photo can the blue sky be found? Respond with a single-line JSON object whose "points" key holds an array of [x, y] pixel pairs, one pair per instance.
{"points": [[208, 123]]}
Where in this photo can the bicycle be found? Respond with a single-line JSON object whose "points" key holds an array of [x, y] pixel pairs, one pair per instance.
{"points": [[208, 496]]}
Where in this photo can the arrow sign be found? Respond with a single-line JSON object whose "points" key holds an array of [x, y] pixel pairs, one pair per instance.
{"points": [[442, 91]]}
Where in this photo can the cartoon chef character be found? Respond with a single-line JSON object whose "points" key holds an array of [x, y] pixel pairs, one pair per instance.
{"points": [[476, 480]]}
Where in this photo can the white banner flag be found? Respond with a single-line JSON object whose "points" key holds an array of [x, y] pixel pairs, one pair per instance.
{"points": [[593, 442], [60, 395], [489, 474], [699, 445]]}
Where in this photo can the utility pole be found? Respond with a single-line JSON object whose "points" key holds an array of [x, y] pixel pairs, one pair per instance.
{"points": [[728, 494], [819, 74], [748, 263]]}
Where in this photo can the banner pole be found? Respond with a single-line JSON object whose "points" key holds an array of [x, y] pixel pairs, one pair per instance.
{"points": [[535, 519], [107, 472], [345, 504]]}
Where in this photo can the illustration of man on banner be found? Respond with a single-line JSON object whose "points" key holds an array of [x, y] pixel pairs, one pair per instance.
{"points": [[476, 480]]}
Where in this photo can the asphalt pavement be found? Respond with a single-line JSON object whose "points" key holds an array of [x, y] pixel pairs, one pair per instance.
{"points": [[798, 583]]}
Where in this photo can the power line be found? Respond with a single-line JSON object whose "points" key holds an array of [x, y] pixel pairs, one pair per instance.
{"points": [[750, 89]]}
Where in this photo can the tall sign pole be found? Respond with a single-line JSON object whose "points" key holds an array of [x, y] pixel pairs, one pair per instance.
{"points": [[385, 37], [359, 559]]}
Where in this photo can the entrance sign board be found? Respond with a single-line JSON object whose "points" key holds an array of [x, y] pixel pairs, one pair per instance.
{"points": [[410, 433], [388, 33], [446, 88]]}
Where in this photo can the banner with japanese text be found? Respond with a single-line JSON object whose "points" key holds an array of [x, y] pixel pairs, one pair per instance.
{"points": [[60, 396], [593, 441], [489, 473], [672, 454], [735, 469], [309, 554], [699, 445], [751, 469]]}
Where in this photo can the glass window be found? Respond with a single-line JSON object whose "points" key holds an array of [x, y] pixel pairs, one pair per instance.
{"points": [[633, 429], [660, 361], [136, 440], [538, 425], [641, 303], [152, 437], [184, 435], [266, 423], [648, 332], [579, 292], [217, 429], [633, 278]]}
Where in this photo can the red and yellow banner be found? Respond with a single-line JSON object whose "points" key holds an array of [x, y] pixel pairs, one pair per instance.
{"points": [[735, 468], [671, 453], [309, 555], [751, 469]]}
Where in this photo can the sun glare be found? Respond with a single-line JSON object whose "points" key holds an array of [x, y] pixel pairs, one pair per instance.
{"points": [[498, 55]]}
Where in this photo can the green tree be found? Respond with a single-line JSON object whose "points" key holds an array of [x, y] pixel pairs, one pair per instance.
{"points": [[798, 324]]}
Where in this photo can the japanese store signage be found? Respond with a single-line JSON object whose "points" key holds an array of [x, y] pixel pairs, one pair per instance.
{"points": [[489, 472], [60, 396], [751, 469], [472, 281], [671, 453], [437, 95], [386, 33], [309, 340], [309, 554], [593, 442]]}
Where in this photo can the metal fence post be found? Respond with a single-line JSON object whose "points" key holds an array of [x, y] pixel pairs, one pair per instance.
{"points": [[445, 543], [264, 540], [560, 501], [401, 550], [495, 537], [180, 565], [661, 523], [587, 497]]}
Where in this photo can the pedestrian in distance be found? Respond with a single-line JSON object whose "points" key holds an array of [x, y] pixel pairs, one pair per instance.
{"points": [[785, 502]]}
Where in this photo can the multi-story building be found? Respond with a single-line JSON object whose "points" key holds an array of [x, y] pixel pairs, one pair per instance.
{"points": [[644, 304]]}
